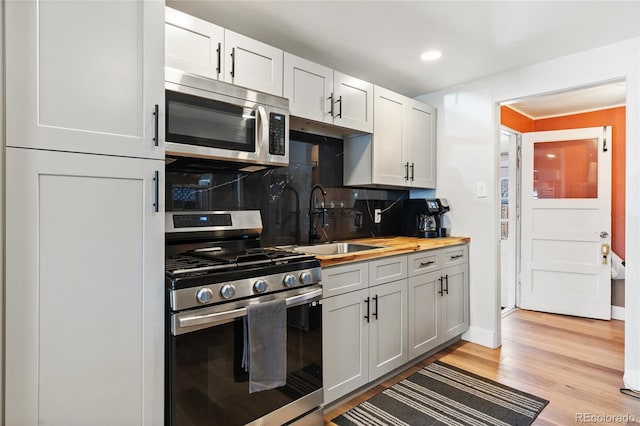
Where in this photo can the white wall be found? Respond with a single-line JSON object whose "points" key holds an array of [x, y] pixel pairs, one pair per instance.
{"points": [[468, 153]]}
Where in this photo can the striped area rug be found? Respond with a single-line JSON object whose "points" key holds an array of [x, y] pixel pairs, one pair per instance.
{"points": [[441, 394]]}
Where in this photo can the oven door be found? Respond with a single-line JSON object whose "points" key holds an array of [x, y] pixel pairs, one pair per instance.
{"points": [[207, 384]]}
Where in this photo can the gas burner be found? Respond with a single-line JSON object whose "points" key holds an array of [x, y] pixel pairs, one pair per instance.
{"points": [[226, 262]]}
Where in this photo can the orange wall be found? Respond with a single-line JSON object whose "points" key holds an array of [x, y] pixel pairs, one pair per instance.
{"points": [[614, 117], [514, 120]]}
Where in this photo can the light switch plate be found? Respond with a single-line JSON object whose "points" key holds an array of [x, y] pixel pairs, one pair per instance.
{"points": [[481, 189]]}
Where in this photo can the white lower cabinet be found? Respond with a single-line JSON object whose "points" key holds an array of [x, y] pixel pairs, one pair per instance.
{"points": [[84, 290], [438, 299], [412, 304], [364, 331]]}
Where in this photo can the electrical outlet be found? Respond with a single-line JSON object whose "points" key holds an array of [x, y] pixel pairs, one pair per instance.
{"points": [[377, 215]]}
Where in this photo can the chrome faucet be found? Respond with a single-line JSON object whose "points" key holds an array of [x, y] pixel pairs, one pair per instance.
{"points": [[313, 231]]}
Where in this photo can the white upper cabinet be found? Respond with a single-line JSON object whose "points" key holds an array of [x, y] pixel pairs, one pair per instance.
{"points": [[252, 64], [390, 138], [85, 76], [401, 150], [420, 149], [193, 45], [200, 47], [309, 87], [353, 102], [321, 94]]}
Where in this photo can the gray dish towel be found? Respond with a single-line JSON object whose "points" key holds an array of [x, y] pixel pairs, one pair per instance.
{"points": [[265, 357]]}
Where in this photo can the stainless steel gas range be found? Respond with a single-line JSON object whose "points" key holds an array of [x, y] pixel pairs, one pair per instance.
{"points": [[216, 275]]}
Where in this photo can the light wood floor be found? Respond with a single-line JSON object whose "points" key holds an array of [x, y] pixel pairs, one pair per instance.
{"points": [[575, 363]]}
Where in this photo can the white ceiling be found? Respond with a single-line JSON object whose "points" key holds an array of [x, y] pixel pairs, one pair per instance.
{"points": [[381, 41], [574, 101]]}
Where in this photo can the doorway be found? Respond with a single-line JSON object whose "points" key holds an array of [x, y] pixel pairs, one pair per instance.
{"points": [[509, 217], [597, 105]]}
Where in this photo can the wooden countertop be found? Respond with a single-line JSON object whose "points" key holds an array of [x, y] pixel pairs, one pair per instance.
{"points": [[393, 246]]}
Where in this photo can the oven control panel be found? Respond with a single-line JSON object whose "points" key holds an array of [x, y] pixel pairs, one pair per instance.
{"points": [[239, 289]]}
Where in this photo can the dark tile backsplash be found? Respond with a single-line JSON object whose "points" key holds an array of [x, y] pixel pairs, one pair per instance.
{"points": [[282, 194]]}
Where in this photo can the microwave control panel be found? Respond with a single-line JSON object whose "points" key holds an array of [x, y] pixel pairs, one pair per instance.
{"points": [[277, 134]]}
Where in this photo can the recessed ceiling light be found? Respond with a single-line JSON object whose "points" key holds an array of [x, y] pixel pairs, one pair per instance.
{"points": [[431, 55]]}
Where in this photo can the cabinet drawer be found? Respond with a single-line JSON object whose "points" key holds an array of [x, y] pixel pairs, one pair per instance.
{"points": [[387, 269], [425, 261], [344, 278], [455, 255]]}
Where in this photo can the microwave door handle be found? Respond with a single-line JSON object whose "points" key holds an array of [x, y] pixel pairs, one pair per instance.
{"points": [[262, 130]]}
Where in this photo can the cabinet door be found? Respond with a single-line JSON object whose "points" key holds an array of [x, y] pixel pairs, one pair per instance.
{"points": [[455, 301], [252, 64], [353, 103], [193, 45], [388, 328], [421, 145], [389, 167], [345, 344], [85, 76], [84, 290], [424, 313], [308, 86]]}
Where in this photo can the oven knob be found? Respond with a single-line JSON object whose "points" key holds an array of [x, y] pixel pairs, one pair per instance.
{"points": [[260, 286], [306, 278], [204, 295], [289, 280], [227, 291]]}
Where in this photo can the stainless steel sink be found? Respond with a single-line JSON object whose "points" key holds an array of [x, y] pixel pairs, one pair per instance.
{"points": [[336, 248]]}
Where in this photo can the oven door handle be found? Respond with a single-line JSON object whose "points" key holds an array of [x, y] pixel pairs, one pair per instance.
{"points": [[221, 317]]}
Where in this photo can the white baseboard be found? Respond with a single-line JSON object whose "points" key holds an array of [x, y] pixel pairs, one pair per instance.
{"points": [[481, 336], [617, 312]]}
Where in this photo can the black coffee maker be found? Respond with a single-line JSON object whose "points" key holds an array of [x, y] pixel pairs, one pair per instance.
{"points": [[423, 217]]}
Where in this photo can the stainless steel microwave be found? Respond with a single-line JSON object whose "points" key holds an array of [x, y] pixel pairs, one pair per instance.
{"points": [[216, 120]]}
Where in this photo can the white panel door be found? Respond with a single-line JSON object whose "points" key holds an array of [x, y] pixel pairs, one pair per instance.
{"points": [[455, 301], [252, 64], [388, 328], [424, 313], [389, 166], [353, 103], [421, 145], [84, 290], [308, 86], [193, 45], [85, 76], [345, 344], [566, 222]]}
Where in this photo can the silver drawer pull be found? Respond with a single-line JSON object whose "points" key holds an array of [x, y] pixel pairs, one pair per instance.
{"points": [[457, 256], [423, 264]]}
